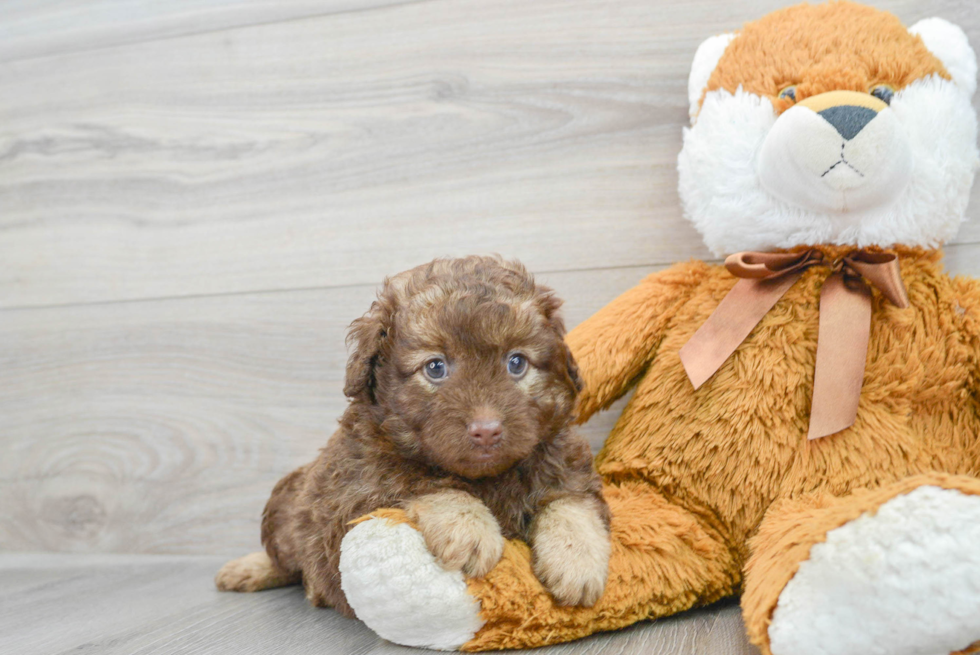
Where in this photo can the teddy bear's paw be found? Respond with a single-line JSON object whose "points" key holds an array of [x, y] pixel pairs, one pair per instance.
{"points": [[904, 580], [396, 587]]}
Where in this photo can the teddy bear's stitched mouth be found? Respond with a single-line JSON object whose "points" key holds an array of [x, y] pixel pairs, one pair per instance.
{"points": [[840, 161]]}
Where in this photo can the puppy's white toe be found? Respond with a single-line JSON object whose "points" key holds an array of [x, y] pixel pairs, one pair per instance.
{"points": [[904, 581], [399, 590]]}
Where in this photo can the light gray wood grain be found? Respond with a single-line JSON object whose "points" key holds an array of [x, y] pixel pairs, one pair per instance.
{"points": [[161, 426], [327, 151], [39, 29], [336, 149], [138, 605]]}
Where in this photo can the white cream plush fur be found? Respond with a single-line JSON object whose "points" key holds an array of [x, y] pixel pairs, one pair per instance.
{"points": [[399, 590], [905, 581], [723, 194]]}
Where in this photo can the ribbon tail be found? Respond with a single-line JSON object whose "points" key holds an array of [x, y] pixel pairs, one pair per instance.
{"points": [[886, 275], [730, 323], [842, 349]]}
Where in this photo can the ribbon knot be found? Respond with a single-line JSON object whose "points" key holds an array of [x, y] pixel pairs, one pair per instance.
{"points": [[844, 329]]}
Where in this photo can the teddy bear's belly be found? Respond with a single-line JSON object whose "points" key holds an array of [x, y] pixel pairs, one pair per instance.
{"points": [[739, 442]]}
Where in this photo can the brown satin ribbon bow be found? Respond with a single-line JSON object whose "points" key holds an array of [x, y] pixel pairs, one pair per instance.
{"points": [[845, 323]]}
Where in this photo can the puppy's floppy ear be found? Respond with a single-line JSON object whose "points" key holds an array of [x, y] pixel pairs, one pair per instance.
{"points": [[549, 304], [367, 335], [572, 369]]}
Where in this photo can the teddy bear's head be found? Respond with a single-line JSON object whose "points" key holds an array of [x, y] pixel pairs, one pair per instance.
{"points": [[830, 124]]}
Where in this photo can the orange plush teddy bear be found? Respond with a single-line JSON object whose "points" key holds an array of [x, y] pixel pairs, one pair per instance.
{"points": [[805, 427]]}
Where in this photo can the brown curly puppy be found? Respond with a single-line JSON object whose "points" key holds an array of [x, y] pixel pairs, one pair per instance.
{"points": [[462, 392]]}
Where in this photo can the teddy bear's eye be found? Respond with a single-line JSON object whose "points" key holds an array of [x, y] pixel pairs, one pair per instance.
{"points": [[884, 93], [789, 93]]}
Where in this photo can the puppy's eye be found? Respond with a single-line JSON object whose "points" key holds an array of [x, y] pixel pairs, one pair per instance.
{"points": [[789, 93], [884, 93], [517, 365], [436, 369]]}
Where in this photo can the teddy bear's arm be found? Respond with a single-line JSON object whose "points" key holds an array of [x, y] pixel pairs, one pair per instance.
{"points": [[615, 345], [966, 308]]}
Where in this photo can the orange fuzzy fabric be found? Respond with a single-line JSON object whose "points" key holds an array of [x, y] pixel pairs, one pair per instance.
{"points": [[663, 554], [691, 474], [793, 526], [830, 47]]}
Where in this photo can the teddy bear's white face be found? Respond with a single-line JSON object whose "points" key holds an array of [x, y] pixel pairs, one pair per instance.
{"points": [[820, 148], [837, 152]]}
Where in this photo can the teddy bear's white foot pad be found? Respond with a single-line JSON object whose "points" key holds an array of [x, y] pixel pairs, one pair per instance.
{"points": [[399, 590], [904, 581]]}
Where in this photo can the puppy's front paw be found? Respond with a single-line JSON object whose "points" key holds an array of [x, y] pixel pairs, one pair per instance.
{"points": [[571, 547], [459, 530]]}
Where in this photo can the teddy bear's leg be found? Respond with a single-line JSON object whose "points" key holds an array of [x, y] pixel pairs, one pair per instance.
{"points": [[892, 570], [664, 560]]}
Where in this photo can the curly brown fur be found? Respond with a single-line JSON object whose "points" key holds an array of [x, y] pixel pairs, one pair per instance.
{"points": [[416, 442]]}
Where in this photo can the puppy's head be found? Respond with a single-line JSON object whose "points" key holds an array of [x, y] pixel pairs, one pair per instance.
{"points": [[465, 360]]}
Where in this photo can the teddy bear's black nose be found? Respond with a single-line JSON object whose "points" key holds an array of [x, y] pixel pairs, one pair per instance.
{"points": [[848, 120]]}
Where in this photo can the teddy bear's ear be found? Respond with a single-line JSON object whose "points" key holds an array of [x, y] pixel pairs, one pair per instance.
{"points": [[705, 60], [950, 45]]}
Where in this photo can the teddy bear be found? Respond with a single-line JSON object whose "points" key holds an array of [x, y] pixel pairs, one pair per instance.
{"points": [[804, 428]]}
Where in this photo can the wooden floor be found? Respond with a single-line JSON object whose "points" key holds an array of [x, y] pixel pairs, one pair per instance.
{"points": [[198, 196], [137, 605]]}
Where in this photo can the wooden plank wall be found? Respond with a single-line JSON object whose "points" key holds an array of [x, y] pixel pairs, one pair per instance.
{"points": [[197, 196]]}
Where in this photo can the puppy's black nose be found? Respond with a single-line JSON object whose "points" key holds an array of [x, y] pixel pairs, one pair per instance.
{"points": [[848, 120], [486, 433]]}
